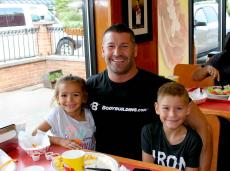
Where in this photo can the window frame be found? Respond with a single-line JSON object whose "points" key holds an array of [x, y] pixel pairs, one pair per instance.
{"points": [[221, 25]]}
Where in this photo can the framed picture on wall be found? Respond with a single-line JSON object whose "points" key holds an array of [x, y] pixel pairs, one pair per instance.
{"points": [[137, 14]]}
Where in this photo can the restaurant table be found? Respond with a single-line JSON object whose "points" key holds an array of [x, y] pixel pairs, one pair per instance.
{"points": [[216, 107], [23, 160]]}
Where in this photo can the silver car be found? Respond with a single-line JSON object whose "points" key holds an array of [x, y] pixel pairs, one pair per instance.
{"points": [[206, 35]]}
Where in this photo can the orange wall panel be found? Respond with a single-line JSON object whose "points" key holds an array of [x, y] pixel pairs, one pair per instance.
{"points": [[102, 21]]}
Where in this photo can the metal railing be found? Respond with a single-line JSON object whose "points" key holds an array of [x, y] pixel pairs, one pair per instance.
{"points": [[18, 44], [24, 43]]}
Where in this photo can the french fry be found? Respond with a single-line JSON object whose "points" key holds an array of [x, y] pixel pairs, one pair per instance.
{"points": [[6, 163]]}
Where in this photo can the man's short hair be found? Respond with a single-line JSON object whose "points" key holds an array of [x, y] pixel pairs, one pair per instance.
{"points": [[121, 28]]}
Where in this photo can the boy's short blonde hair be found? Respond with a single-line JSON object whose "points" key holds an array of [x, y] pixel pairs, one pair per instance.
{"points": [[173, 89]]}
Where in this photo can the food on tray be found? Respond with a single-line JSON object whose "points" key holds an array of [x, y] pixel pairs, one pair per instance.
{"points": [[217, 90], [34, 145], [99, 160], [58, 163], [91, 159]]}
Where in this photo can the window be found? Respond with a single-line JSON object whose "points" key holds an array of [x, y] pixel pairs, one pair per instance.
{"points": [[211, 14], [11, 17], [206, 29], [227, 16], [27, 102], [200, 16], [211, 24]]}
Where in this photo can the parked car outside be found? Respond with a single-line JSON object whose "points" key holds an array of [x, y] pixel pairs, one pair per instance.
{"points": [[206, 34], [18, 38]]}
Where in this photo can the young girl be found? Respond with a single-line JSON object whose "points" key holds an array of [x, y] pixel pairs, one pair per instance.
{"points": [[71, 124]]}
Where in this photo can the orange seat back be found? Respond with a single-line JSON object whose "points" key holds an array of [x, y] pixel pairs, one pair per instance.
{"points": [[215, 127], [185, 71]]}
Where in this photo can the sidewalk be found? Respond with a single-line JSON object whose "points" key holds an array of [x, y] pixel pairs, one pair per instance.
{"points": [[28, 105]]}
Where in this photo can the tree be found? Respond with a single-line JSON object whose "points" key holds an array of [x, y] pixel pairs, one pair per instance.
{"points": [[228, 7], [70, 12]]}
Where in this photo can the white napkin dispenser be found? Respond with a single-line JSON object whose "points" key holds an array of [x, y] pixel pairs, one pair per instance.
{"points": [[8, 137]]}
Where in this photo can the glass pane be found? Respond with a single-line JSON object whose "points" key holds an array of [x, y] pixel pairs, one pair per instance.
{"points": [[11, 17], [33, 56], [206, 29], [227, 16]]}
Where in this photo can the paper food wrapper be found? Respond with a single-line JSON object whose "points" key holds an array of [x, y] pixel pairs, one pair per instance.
{"points": [[198, 96], [39, 143]]}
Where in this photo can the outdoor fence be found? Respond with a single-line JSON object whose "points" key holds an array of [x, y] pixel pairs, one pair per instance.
{"points": [[18, 44], [44, 48], [42, 40]]}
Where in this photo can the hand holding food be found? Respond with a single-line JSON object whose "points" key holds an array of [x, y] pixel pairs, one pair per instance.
{"points": [[213, 72]]}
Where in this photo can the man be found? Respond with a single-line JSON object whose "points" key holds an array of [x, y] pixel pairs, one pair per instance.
{"points": [[122, 99]]}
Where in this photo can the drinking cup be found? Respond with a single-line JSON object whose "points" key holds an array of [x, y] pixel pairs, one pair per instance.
{"points": [[73, 160], [36, 156]]}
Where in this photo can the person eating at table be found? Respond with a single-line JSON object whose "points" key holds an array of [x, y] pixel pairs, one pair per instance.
{"points": [[169, 142], [122, 98], [218, 66], [71, 123]]}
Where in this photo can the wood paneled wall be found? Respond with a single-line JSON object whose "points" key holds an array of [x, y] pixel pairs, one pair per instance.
{"points": [[109, 12], [102, 19]]}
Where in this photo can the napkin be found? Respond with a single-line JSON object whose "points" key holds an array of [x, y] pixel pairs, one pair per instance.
{"points": [[198, 96]]}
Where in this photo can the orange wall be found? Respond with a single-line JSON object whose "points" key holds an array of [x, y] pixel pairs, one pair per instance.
{"points": [[108, 12]]}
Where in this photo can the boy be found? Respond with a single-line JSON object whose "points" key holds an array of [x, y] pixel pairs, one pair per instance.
{"points": [[169, 142]]}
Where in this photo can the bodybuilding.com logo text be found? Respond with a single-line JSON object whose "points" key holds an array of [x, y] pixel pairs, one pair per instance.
{"points": [[94, 106]]}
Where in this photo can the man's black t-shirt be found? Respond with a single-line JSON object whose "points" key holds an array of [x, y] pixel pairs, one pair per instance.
{"points": [[120, 110]]}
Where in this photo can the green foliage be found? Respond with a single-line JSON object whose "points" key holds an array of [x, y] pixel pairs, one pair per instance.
{"points": [[228, 11], [228, 7], [69, 15], [55, 75]]}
